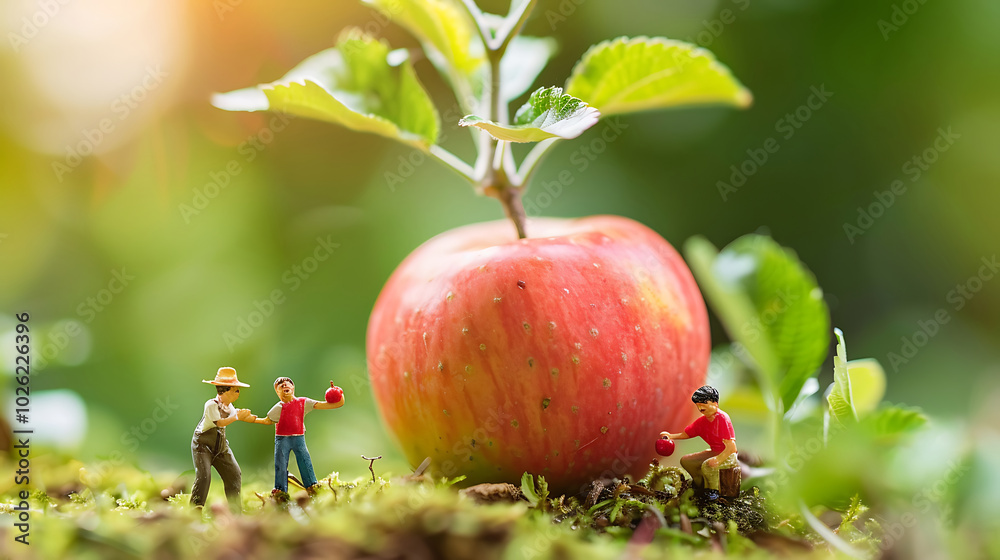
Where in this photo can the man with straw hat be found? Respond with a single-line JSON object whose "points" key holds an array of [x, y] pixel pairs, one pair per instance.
{"points": [[209, 446]]}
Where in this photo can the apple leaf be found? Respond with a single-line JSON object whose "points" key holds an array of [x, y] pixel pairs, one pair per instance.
{"points": [[733, 306], [524, 60], [634, 74], [867, 384], [839, 395], [359, 84], [891, 422], [770, 303], [442, 25], [858, 385], [549, 113]]}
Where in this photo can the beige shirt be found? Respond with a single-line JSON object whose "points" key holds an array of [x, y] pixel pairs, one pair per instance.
{"points": [[214, 411]]}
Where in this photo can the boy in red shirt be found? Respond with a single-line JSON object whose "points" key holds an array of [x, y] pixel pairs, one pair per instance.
{"points": [[716, 429], [290, 432]]}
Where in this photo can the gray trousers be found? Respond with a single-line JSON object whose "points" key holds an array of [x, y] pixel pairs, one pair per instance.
{"points": [[210, 449]]}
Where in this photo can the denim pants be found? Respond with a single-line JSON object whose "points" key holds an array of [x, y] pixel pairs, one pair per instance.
{"points": [[283, 445]]}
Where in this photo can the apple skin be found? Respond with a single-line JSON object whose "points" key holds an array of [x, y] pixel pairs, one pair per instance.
{"points": [[561, 355]]}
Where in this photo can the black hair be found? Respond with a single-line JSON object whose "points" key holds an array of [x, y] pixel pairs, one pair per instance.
{"points": [[223, 388], [705, 394], [282, 380]]}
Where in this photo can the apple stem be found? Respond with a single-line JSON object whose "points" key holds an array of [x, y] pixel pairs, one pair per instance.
{"points": [[510, 197], [499, 178]]}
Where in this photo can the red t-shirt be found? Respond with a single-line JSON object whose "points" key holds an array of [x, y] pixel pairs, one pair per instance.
{"points": [[715, 432]]}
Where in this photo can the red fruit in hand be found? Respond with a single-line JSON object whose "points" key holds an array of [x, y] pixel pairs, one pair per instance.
{"points": [[561, 355], [334, 394], [665, 447]]}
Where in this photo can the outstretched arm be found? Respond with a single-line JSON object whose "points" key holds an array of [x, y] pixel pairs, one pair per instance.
{"points": [[237, 414], [255, 420], [326, 405], [678, 435]]}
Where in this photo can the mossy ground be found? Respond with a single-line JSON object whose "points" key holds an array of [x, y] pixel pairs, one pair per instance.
{"points": [[125, 515]]}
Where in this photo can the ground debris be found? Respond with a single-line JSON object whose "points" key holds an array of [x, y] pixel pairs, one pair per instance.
{"points": [[488, 493]]}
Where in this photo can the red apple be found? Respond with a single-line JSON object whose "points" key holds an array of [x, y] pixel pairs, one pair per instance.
{"points": [[561, 355], [334, 394], [665, 447]]}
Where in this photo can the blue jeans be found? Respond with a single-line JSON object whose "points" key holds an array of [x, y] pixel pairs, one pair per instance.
{"points": [[283, 445]]}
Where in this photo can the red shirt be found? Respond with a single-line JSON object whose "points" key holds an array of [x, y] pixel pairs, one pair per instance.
{"points": [[291, 422], [715, 432]]}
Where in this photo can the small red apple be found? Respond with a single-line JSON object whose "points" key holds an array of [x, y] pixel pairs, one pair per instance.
{"points": [[334, 394], [561, 355], [665, 447]]}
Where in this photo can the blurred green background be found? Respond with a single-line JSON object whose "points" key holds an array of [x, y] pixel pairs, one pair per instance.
{"points": [[113, 164]]}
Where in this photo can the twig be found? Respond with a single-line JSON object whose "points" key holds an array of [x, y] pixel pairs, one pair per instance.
{"points": [[371, 465]]}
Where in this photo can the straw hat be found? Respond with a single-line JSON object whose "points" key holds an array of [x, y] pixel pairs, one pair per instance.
{"points": [[226, 376]]}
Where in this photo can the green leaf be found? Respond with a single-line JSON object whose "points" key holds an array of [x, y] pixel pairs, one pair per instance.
{"points": [[841, 397], [634, 74], [444, 28], [524, 60], [359, 84], [893, 421], [615, 511], [867, 384], [549, 113], [770, 303], [543, 488], [528, 489], [858, 385], [852, 515]]}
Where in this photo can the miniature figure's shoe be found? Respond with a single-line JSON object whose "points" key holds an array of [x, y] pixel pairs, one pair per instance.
{"points": [[279, 496], [711, 494], [313, 490]]}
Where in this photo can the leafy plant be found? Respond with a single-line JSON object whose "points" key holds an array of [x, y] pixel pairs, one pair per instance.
{"points": [[365, 85]]}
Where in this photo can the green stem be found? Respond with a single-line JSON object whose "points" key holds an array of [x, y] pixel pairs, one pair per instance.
{"points": [[530, 163], [453, 161], [512, 26], [495, 169], [477, 17]]}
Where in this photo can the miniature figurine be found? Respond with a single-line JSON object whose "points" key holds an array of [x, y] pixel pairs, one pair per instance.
{"points": [[209, 446], [716, 429], [289, 434]]}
